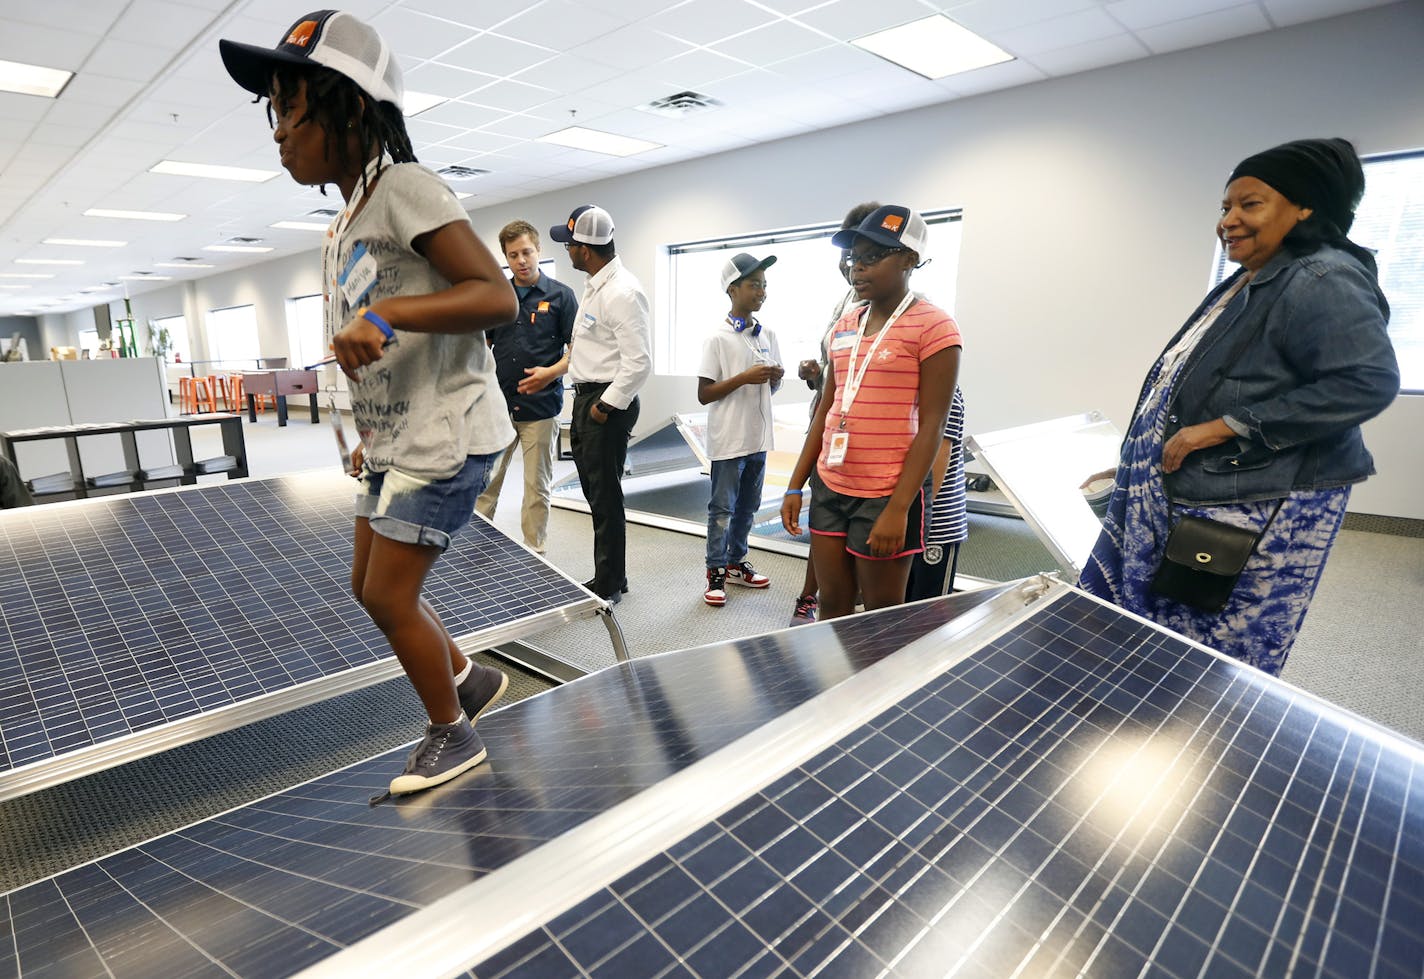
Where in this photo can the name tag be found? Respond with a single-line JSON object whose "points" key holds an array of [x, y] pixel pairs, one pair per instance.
{"points": [[836, 453], [589, 321], [843, 341], [359, 275]]}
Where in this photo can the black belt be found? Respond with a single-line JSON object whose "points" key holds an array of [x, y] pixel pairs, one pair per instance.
{"points": [[589, 387]]}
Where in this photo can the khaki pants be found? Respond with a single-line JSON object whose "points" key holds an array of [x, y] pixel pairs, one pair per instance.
{"points": [[539, 441]]}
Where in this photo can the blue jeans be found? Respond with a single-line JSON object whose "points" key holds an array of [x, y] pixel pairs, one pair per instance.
{"points": [[422, 511], [736, 497]]}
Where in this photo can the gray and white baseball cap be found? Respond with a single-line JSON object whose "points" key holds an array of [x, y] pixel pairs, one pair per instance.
{"points": [[331, 38]]}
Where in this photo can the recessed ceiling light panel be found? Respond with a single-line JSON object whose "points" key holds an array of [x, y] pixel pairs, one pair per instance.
{"points": [[180, 169], [298, 226], [84, 242], [935, 47], [48, 261], [26, 79], [579, 138], [104, 212]]}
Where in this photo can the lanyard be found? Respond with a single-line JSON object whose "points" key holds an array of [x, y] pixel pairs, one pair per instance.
{"points": [[331, 244], [854, 378]]}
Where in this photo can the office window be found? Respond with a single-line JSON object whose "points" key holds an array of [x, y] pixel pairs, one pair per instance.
{"points": [[177, 327], [306, 332], [232, 336], [803, 287], [1391, 221]]}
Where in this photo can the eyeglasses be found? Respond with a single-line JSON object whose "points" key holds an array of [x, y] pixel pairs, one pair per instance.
{"points": [[867, 259]]}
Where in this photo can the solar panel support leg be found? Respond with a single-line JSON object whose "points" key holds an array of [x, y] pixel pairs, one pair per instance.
{"points": [[615, 633]]}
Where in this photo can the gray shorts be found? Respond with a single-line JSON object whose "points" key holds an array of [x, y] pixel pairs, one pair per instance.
{"points": [[852, 517]]}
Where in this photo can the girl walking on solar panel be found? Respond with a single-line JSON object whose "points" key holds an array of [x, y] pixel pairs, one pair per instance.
{"points": [[408, 288], [893, 367]]}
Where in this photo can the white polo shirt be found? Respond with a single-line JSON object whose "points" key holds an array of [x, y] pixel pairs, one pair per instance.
{"points": [[610, 341]]}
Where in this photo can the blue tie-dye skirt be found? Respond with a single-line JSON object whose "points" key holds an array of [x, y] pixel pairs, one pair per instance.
{"points": [[1259, 624]]}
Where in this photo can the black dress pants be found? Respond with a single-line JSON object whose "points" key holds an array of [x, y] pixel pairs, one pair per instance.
{"points": [[600, 452]]}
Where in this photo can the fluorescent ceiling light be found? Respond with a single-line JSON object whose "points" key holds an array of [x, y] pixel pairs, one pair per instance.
{"points": [[179, 169], [144, 278], [298, 226], [48, 261], [594, 141], [26, 275], [418, 102], [104, 212], [85, 242], [182, 265], [935, 47], [236, 248], [460, 195], [33, 79], [5, 286]]}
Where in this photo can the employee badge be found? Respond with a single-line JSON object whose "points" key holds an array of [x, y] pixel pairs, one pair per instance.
{"points": [[840, 442]]}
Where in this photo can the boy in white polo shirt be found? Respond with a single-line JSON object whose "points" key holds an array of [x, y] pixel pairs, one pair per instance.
{"points": [[740, 370]]}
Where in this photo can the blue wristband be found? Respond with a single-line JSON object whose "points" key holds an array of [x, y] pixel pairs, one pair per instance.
{"points": [[385, 327], [793, 492]]}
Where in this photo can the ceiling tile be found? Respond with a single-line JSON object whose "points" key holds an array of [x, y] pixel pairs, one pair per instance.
{"points": [[1287, 12], [697, 68], [1058, 32], [826, 64], [479, 14], [1232, 22], [1093, 54], [772, 42], [525, 126], [46, 46], [474, 141], [461, 114], [631, 48], [445, 80], [1138, 14], [990, 16], [496, 55], [561, 24], [629, 90], [126, 59], [103, 90], [512, 96], [68, 15], [706, 21], [146, 20], [414, 35], [993, 78], [24, 108], [568, 73], [847, 19]]}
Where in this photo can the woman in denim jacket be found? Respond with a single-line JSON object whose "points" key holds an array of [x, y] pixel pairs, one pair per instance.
{"points": [[1254, 408]]}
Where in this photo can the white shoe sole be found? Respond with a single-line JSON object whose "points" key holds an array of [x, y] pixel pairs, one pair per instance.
{"points": [[405, 784]]}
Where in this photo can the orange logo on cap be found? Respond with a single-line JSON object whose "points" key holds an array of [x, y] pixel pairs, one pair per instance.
{"points": [[571, 224], [892, 223], [302, 34]]}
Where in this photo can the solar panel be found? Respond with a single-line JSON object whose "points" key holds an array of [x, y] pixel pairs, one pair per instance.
{"points": [[1072, 790], [132, 623]]}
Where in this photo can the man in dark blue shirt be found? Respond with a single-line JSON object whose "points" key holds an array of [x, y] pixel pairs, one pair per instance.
{"points": [[531, 357]]}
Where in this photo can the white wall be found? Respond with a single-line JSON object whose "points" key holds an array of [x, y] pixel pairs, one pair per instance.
{"points": [[1089, 204]]}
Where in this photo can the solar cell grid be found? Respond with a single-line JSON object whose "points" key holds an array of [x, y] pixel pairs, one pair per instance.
{"points": [[125, 614], [314, 868], [1050, 806]]}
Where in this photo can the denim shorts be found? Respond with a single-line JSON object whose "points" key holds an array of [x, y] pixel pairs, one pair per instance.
{"points": [[852, 517], [423, 511]]}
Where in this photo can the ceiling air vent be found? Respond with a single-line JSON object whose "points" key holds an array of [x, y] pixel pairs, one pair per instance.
{"points": [[681, 104], [185, 258], [323, 212], [239, 240], [460, 173]]}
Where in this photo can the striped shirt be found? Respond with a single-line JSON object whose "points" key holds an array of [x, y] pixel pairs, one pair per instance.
{"points": [[884, 417], [949, 517]]}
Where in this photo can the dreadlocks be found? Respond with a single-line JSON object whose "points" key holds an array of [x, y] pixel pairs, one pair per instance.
{"points": [[338, 105]]}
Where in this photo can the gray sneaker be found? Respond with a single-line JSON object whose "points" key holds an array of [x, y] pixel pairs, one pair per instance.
{"points": [[444, 752], [481, 689]]}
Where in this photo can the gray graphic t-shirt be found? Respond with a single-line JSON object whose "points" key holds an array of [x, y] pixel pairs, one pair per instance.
{"points": [[432, 399]]}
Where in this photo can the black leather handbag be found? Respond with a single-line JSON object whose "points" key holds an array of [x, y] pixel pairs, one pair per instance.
{"points": [[1203, 561]]}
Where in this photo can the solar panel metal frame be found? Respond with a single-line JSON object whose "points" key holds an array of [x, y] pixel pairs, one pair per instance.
{"points": [[58, 768]]}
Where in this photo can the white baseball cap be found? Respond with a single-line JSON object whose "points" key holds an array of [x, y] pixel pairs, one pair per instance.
{"points": [[331, 38], [893, 225], [589, 224]]}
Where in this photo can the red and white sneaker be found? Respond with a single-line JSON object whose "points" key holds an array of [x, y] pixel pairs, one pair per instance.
{"points": [[744, 574], [716, 593]]}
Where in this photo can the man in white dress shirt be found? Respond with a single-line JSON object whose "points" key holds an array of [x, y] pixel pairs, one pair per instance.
{"points": [[609, 361]]}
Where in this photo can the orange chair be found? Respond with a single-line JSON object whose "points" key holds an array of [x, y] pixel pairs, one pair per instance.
{"points": [[194, 393]]}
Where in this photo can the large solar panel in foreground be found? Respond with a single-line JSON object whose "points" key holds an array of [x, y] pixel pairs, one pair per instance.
{"points": [[1071, 792], [125, 616]]}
